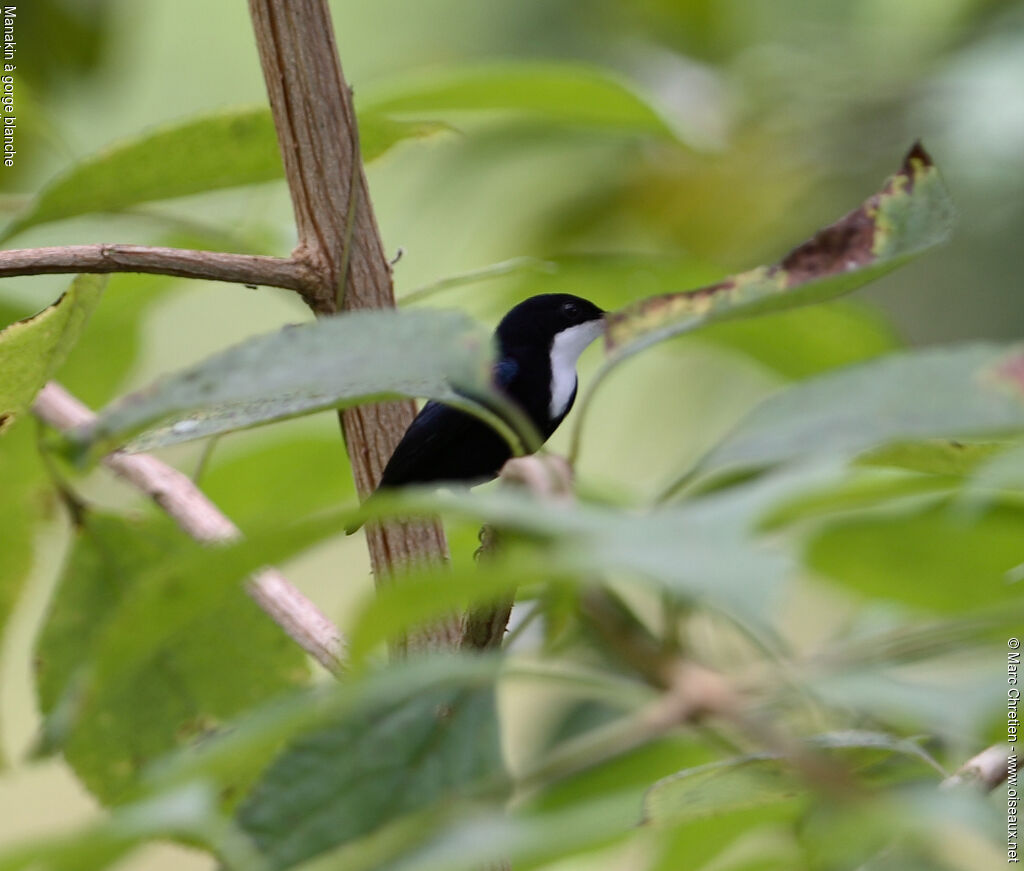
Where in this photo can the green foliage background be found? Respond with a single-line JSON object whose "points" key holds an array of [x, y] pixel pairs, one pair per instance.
{"points": [[626, 149]]}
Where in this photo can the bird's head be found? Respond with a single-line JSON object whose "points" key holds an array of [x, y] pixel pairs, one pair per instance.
{"points": [[552, 321]]}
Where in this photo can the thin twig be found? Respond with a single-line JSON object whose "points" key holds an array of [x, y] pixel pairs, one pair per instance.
{"points": [[290, 274], [203, 521]]}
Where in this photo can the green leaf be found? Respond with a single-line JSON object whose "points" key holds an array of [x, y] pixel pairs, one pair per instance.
{"points": [[331, 363], [365, 770], [968, 391], [31, 350], [289, 478], [911, 214], [564, 93], [104, 356], [421, 598], [705, 550], [188, 812], [227, 149], [751, 781], [936, 560], [935, 457], [189, 663], [803, 342], [525, 840]]}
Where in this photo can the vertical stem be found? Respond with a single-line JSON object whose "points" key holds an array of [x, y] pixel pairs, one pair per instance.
{"points": [[316, 129]]}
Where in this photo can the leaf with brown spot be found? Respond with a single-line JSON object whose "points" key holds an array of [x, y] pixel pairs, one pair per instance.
{"points": [[911, 214]]}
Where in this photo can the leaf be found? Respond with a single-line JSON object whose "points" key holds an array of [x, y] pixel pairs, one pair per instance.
{"points": [[291, 477], [185, 664], [525, 840], [565, 93], [208, 153], [935, 560], [105, 355], [417, 600], [187, 812], [911, 214], [803, 342], [331, 363], [705, 550], [935, 457], [31, 350], [970, 391], [350, 778], [759, 779]]}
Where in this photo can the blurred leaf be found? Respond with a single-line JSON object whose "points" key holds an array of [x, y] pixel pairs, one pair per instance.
{"points": [[355, 775], [288, 478], [525, 840], [935, 457], [1004, 471], [863, 489], [704, 550], [31, 350], [911, 214], [187, 812], [22, 503], [966, 391], [935, 560], [227, 149], [179, 683], [331, 363], [562, 92], [804, 342], [947, 702], [104, 356], [750, 781], [417, 600]]}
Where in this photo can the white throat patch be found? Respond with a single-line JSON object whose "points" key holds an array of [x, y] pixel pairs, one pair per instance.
{"points": [[565, 351]]}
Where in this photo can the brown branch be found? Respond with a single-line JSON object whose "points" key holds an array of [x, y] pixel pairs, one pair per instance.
{"points": [[203, 521], [239, 268], [317, 132]]}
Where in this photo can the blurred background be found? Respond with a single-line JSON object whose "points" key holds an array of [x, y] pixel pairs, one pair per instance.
{"points": [[786, 115]]}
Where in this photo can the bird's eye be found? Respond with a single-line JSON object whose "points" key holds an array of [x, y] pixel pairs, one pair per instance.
{"points": [[570, 310]]}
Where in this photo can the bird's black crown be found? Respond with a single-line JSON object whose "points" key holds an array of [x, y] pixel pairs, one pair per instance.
{"points": [[537, 320]]}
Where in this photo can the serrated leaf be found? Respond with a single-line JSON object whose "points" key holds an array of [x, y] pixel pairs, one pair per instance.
{"points": [[31, 350], [331, 363], [189, 663], [354, 776], [213, 152], [567, 93], [968, 391], [911, 214]]}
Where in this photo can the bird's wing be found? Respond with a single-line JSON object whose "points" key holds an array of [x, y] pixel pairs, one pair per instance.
{"points": [[505, 372], [436, 428]]}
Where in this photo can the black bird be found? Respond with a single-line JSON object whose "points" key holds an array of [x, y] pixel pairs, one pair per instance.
{"points": [[538, 342]]}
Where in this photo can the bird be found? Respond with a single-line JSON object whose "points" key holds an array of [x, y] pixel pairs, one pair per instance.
{"points": [[538, 343]]}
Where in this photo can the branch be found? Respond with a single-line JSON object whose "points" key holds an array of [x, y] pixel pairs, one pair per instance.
{"points": [[338, 237], [202, 520], [239, 268], [988, 769], [548, 477]]}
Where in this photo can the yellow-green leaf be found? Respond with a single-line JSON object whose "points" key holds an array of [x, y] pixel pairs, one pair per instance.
{"points": [[32, 349]]}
